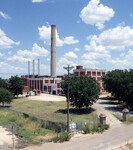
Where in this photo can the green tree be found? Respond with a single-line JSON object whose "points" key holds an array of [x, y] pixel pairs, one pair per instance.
{"points": [[3, 83], [15, 85], [129, 89], [120, 84], [83, 90], [114, 83], [5, 96]]}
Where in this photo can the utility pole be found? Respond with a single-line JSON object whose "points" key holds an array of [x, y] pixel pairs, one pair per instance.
{"points": [[68, 68]]}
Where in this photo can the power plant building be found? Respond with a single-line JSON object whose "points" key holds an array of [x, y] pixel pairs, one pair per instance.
{"points": [[45, 83], [52, 83]]}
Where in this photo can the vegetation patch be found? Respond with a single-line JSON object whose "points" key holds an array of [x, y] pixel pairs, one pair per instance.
{"points": [[61, 137], [94, 128], [28, 131]]}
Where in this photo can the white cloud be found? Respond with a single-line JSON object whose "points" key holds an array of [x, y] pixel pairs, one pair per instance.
{"points": [[76, 49], [6, 42], [90, 63], [70, 54], [63, 62], [16, 58], [96, 14], [11, 69], [1, 55], [3, 15], [70, 40], [118, 38], [96, 56], [38, 1], [45, 35], [112, 47], [27, 55]]}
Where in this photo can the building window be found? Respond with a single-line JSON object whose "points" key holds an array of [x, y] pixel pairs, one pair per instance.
{"points": [[103, 73], [46, 81], [82, 73], [93, 73], [76, 73], [58, 85], [51, 81], [98, 73], [45, 88], [49, 89], [89, 73]]}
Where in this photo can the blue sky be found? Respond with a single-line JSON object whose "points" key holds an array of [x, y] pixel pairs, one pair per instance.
{"points": [[91, 33]]}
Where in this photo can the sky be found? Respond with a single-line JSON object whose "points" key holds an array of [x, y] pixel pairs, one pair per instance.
{"points": [[92, 33]]}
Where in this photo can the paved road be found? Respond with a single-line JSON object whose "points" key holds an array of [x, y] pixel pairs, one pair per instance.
{"points": [[113, 138]]}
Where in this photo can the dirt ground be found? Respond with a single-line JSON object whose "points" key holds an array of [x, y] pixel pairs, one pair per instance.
{"points": [[6, 137], [47, 97], [128, 146]]}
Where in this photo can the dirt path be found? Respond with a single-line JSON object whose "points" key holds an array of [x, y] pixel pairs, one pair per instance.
{"points": [[108, 108], [6, 139]]}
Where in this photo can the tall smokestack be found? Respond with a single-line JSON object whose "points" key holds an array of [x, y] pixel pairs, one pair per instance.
{"points": [[53, 50], [28, 68], [38, 67]]}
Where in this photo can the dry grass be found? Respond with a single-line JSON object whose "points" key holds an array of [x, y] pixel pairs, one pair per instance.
{"points": [[52, 111]]}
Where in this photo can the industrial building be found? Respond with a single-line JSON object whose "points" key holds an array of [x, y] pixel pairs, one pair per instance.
{"points": [[95, 73], [52, 84], [49, 84]]}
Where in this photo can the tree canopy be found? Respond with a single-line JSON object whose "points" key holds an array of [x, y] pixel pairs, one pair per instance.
{"points": [[120, 84], [3, 83], [15, 85], [83, 90], [5, 96]]}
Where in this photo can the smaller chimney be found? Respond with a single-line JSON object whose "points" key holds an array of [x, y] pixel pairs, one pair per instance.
{"points": [[33, 67], [28, 68], [38, 67]]}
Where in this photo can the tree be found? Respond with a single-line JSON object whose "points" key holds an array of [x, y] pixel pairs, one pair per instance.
{"points": [[3, 83], [5, 96], [114, 83], [120, 84], [15, 85], [83, 90]]}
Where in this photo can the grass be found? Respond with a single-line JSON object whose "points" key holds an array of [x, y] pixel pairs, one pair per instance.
{"points": [[27, 130], [51, 111]]}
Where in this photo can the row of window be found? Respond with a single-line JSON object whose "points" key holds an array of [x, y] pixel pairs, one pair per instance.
{"points": [[90, 73]]}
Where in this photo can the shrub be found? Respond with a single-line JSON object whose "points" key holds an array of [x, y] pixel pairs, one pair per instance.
{"points": [[101, 128], [61, 137], [95, 128]]}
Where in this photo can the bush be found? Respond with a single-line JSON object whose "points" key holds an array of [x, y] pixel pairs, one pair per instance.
{"points": [[61, 137], [101, 128], [95, 128]]}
